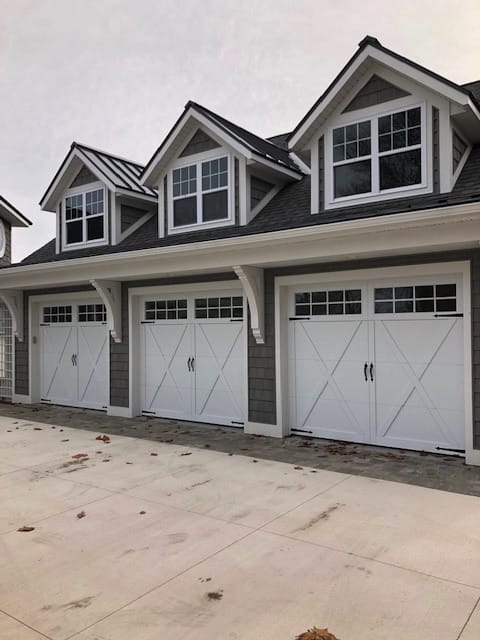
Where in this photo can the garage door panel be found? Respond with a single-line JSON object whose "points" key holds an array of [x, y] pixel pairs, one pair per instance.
{"points": [[58, 375], [166, 376], [219, 372], [92, 366], [328, 394], [414, 393]]}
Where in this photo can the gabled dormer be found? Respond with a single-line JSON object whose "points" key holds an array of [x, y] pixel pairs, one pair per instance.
{"points": [[98, 199], [212, 173], [386, 128]]}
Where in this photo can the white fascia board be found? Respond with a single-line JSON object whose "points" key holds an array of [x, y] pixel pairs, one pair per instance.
{"points": [[397, 65], [399, 234], [151, 174], [49, 201]]}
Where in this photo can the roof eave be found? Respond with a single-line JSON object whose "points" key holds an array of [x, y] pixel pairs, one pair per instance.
{"points": [[12, 214]]}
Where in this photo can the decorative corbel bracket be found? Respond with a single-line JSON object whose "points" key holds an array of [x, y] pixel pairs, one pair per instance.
{"points": [[253, 287], [13, 299], [111, 295]]}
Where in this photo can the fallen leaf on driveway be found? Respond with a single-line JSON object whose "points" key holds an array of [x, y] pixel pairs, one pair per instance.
{"points": [[298, 468], [215, 595], [189, 453], [37, 429], [104, 438], [78, 456], [81, 515], [128, 462], [142, 513], [67, 440], [26, 529], [316, 634], [154, 454]]}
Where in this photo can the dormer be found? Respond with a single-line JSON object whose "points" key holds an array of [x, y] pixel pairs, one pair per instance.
{"points": [[10, 217], [211, 173], [386, 128], [98, 199]]}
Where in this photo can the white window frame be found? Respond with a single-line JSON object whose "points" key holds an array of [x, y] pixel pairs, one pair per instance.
{"points": [[375, 155], [197, 159], [83, 190]]}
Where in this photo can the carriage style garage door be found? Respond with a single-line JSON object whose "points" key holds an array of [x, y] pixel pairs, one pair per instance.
{"points": [[379, 362], [193, 353], [73, 354]]}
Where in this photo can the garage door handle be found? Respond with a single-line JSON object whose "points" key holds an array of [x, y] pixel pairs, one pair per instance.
{"points": [[371, 371], [193, 364], [188, 363], [365, 368]]}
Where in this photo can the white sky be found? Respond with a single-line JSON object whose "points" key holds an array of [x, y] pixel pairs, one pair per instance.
{"points": [[116, 74]]}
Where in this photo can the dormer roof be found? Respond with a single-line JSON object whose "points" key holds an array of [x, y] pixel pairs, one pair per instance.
{"points": [[249, 144], [12, 215], [371, 51], [119, 174]]}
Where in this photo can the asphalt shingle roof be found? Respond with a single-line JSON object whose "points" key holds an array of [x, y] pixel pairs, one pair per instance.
{"points": [[289, 209]]}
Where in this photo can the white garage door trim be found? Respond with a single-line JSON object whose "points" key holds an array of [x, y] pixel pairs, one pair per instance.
{"points": [[284, 283], [136, 297], [36, 304]]}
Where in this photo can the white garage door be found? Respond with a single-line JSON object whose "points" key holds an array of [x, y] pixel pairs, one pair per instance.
{"points": [[193, 353], [73, 354], [379, 362]]}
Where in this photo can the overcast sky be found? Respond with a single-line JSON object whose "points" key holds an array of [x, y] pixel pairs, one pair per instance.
{"points": [[116, 74]]}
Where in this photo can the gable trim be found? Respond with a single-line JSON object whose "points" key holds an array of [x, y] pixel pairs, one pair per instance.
{"points": [[371, 48]]}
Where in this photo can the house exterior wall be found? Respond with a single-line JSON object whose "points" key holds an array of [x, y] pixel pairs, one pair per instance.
{"points": [[261, 364]]}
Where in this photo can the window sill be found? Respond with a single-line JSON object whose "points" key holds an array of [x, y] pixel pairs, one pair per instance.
{"points": [[377, 198], [84, 245], [201, 227]]}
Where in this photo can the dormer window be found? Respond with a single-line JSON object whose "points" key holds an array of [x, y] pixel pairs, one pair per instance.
{"points": [[84, 221], [200, 193], [378, 155]]}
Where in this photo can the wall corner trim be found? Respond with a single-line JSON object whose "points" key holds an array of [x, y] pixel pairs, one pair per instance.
{"points": [[261, 429], [472, 457], [111, 295], [253, 286], [13, 299]]}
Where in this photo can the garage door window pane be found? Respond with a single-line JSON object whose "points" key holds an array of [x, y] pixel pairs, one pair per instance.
{"points": [[54, 315], [92, 313], [225, 307], [424, 298], [166, 309], [334, 302]]}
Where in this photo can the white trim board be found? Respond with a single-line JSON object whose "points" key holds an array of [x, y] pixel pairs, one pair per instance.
{"points": [[283, 283]]}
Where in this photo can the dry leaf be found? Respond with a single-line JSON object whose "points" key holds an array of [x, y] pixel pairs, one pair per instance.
{"points": [[316, 634], [78, 456], [81, 515], [298, 468], [189, 453], [154, 454], [142, 513], [26, 529]]}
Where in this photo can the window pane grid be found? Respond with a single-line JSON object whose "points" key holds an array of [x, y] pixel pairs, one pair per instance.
{"points": [[74, 207], [92, 313], [185, 181], [214, 174], [166, 309], [333, 302], [57, 314], [399, 130], [416, 299], [221, 307], [84, 217], [94, 203]]}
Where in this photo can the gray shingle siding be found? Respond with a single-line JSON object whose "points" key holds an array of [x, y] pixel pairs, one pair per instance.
{"points": [[199, 142], [375, 91]]}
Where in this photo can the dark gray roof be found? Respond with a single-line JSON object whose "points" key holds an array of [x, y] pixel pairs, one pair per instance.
{"points": [[288, 210], [474, 89], [124, 174]]}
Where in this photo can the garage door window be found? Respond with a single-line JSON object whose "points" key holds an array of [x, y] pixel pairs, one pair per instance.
{"points": [[430, 298], [92, 313], [53, 315], [166, 309], [224, 307], [328, 303]]}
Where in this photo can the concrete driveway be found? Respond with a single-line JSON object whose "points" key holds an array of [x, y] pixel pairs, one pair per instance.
{"points": [[183, 542]]}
